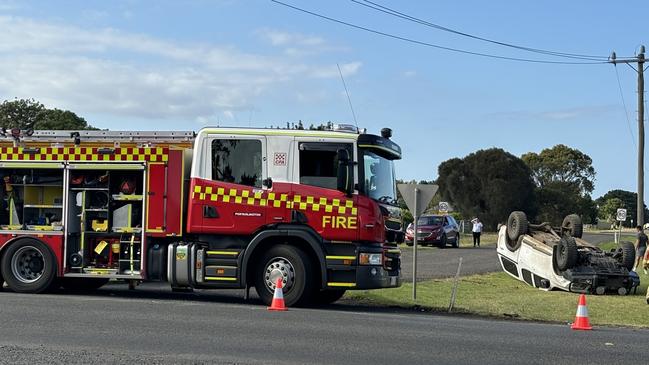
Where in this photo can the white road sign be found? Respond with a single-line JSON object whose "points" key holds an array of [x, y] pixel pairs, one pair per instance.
{"points": [[443, 207], [621, 215]]}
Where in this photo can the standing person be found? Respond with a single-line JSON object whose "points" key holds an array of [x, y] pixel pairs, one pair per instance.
{"points": [[477, 230], [640, 246]]}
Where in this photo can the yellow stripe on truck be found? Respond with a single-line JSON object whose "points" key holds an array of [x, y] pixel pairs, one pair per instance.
{"points": [[341, 257], [345, 285]]}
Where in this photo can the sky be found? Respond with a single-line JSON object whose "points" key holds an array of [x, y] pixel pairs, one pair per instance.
{"points": [[184, 65]]}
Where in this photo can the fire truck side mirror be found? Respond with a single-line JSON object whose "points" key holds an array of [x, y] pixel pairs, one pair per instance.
{"points": [[345, 172]]}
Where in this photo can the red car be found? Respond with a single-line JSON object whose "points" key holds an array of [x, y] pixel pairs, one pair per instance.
{"points": [[435, 229]]}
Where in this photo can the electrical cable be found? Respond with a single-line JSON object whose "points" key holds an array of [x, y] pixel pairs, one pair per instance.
{"points": [[390, 11], [427, 44], [626, 111]]}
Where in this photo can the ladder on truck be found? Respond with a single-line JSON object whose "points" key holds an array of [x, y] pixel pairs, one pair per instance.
{"points": [[98, 137]]}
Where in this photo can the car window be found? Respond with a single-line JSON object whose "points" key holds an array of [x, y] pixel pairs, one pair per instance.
{"points": [[430, 221]]}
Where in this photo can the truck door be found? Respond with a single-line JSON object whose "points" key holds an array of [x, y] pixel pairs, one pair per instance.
{"points": [[228, 196], [329, 211]]}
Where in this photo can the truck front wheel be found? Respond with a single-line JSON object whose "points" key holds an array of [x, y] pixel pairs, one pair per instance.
{"points": [[292, 266], [28, 266]]}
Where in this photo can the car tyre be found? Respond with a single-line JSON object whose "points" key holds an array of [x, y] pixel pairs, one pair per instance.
{"points": [[517, 225], [628, 255], [443, 241], [456, 242], [572, 223], [566, 253]]}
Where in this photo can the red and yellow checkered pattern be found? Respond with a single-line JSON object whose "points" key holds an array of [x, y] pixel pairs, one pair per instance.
{"points": [[270, 199], [149, 154]]}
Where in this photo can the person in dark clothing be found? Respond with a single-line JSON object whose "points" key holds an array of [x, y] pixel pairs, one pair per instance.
{"points": [[640, 246]]}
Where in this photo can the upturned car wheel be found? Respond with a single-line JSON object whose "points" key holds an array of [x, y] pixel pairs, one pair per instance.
{"points": [[517, 225], [628, 255], [572, 223], [566, 253]]}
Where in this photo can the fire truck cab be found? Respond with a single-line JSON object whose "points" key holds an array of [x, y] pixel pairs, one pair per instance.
{"points": [[223, 208]]}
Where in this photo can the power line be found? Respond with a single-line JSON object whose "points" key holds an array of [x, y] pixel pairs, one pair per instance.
{"points": [[626, 111], [390, 11], [427, 44]]}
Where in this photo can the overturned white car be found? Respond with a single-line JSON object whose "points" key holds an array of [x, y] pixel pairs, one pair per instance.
{"points": [[549, 258]]}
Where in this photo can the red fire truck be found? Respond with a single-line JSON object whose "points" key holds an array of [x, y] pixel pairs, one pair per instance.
{"points": [[221, 208]]}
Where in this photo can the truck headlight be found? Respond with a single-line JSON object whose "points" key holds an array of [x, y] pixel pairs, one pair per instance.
{"points": [[370, 258]]}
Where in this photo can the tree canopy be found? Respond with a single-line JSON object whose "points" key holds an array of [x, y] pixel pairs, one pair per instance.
{"points": [[564, 178], [488, 184], [625, 199], [31, 114], [562, 166]]}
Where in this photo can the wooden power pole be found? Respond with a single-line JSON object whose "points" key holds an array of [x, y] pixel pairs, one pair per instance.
{"points": [[640, 60]]}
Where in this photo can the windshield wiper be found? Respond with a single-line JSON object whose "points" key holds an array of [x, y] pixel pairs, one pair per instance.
{"points": [[387, 199]]}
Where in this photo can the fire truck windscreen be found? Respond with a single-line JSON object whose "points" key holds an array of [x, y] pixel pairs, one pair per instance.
{"points": [[379, 177]]}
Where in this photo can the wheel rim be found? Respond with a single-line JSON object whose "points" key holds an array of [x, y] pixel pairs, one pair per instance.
{"points": [[279, 267], [27, 264]]}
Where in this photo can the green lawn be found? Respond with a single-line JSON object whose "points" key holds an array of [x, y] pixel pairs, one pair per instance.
{"points": [[499, 295]]}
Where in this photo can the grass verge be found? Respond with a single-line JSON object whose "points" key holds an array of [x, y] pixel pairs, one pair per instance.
{"points": [[499, 295]]}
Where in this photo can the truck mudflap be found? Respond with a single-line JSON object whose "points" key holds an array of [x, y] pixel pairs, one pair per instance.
{"points": [[365, 272], [587, 280]]}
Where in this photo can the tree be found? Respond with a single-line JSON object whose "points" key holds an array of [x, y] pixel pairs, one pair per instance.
{"points": [[20, 113], [608, 209], [488, 184], [562, 164], [564, 178], [629, 201], [61, 119], [31, 114]]}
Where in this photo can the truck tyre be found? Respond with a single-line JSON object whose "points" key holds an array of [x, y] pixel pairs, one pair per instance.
{"points": [[297, 273], [566, 253], [324, 297], [28, 266], [81, 284], [628, 255], [516, 225], [573, 224]]}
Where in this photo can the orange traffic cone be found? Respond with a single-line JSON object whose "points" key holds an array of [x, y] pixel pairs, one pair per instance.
{"points": [[581, 320], [278, 298]]}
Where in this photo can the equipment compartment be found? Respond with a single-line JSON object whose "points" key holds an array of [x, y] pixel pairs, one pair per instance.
{"points": [[32, 198], [104, 230]]}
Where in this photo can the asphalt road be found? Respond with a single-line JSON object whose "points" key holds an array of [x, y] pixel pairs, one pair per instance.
{"points": [[433, 262], [116, 326]]}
